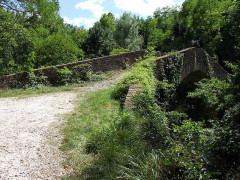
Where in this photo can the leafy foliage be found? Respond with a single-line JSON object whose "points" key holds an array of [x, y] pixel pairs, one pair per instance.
{"points": [[160, 140], [118, 51], [15, 44], [126, 34], [142, 73], [31, 27], [164, 136], [58, 49]]}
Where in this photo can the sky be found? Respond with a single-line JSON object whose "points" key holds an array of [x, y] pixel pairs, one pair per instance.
{"points": [[87, 12]]}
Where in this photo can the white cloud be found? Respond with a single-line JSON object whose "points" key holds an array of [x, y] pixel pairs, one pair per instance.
{"points": [[117, 16], [92, 5], [97, 1], [88, 22], [142, 7]]}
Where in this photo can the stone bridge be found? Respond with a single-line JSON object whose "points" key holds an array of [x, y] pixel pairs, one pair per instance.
{"points": [[197, 64]]}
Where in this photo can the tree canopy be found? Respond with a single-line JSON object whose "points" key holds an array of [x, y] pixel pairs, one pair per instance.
{"points": [[33, 29]]}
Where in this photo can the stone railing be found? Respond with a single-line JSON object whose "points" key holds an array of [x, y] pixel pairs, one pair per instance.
{"points": [[101, 64], [194, 59]]}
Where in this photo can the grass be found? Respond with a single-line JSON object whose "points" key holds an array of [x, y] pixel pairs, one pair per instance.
{"points": [[92, 112], [100, 137], [36, 91]]}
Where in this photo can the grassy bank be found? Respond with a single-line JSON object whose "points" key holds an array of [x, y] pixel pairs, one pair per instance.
{"points": [[93, 111], [100, 137]]}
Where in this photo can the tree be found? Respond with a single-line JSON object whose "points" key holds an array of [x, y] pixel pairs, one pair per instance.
{"points": [[79, 34], [33, 35], [203, 20], [107, 22], [35, 12], [94, 41], [229, 46], [147, 30], [127, 33], [100, 40], [56, 49], [15, 43]]}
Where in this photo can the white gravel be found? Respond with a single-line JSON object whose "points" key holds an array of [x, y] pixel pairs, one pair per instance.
{"points": [[30, 137]]}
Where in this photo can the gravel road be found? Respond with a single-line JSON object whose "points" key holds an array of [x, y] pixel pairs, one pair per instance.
{"points": [[30, 133], [30, 137]]}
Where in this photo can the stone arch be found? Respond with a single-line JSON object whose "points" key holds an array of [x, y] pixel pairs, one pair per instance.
{"points": [[187, 84]]}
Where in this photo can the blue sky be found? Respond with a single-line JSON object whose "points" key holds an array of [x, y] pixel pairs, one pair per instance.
{"points": [[87, 12]]}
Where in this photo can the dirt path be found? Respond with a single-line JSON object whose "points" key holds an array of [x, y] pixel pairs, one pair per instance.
{"points": [[30, 133]]}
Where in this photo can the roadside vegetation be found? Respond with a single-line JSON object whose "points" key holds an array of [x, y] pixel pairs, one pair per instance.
{"points": [[35, 87], [94, 110], [158, 139]]}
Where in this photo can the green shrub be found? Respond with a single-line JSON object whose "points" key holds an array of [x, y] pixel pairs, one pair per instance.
{"points": [[36, 80], [118, 51], [64, 76], [142, 74], [207, 101], [31, 80], [221, 111], [58, 48], [80, 72]]}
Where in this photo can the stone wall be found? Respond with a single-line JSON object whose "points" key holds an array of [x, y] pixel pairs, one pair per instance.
{"points": [[195, 59], [101, 64], [132, 91]]}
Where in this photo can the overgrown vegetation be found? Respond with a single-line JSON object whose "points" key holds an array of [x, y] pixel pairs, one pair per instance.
{"points": [[36, 85], [95, 110], [164, 139]]}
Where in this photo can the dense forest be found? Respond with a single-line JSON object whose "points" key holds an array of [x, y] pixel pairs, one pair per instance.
{"points": [[166, 136], [34, 35]]}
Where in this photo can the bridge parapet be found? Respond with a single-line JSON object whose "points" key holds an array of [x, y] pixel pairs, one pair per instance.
{"points": [[196, 64], [195, 59], [101, 64]]}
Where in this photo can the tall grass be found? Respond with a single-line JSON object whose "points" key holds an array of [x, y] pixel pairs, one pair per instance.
{"points": [[95, 110], [107, 143], [146, 143]]}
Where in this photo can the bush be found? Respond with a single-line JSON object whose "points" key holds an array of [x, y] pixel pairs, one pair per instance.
{"points": [[142, 74], [80, 72], [64, 76], [57, 49], [119, 51], [31, 80]]}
